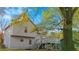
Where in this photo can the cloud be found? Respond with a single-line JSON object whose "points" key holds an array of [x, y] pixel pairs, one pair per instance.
{"points": [[7, 17]]}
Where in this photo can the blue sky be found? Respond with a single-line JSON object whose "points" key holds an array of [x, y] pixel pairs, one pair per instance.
{"points": [[35, 14]]}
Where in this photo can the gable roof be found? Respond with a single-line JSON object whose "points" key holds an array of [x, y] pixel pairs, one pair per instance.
{"points": [[17, 21]]}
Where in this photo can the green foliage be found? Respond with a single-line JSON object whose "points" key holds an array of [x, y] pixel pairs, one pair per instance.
{"points": [[76, 29], [76, 19], [48, 13], [48, 22]]}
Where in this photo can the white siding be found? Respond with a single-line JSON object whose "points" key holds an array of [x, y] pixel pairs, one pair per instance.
{"points": [[7, 38], [16, 43], [18, 29]]}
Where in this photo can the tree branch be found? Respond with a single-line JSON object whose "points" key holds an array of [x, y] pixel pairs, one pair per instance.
{"points": [[74, 10], [62, 11]]}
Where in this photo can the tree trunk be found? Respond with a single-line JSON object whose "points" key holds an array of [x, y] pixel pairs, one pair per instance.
{"points": [[67, 30]]}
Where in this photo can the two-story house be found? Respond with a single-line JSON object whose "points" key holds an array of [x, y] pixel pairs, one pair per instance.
{"points": [[19, 34]]}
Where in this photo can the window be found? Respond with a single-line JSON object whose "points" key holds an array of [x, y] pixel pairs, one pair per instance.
{"points": [[21, 40], [25, 30], [30, 42]]}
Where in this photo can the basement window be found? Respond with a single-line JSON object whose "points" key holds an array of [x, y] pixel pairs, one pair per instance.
{"points": [[30, 42], [21, 40]]}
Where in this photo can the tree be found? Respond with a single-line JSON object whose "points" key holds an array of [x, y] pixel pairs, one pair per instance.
{"points": [[1, 31], [50, 19], [68, 13]]}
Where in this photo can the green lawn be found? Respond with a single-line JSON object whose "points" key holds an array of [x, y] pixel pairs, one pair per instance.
{"points": [[6, 49]]}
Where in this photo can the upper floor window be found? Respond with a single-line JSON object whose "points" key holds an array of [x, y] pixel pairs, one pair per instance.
{"points": [[25, 30]]}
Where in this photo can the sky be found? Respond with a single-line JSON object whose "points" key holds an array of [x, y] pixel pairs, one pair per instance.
{"points": [[35, 14]]}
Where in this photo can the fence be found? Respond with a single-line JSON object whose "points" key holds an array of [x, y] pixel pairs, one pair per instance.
{"points": [[52, 44]]}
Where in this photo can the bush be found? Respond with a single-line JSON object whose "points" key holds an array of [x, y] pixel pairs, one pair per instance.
{"points": [[3, 46]]}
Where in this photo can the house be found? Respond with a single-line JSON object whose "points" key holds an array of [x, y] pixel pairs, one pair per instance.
{"points": [[19, 33]]}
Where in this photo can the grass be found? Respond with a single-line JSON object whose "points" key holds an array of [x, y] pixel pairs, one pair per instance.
{"points": [[6, 49]]}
